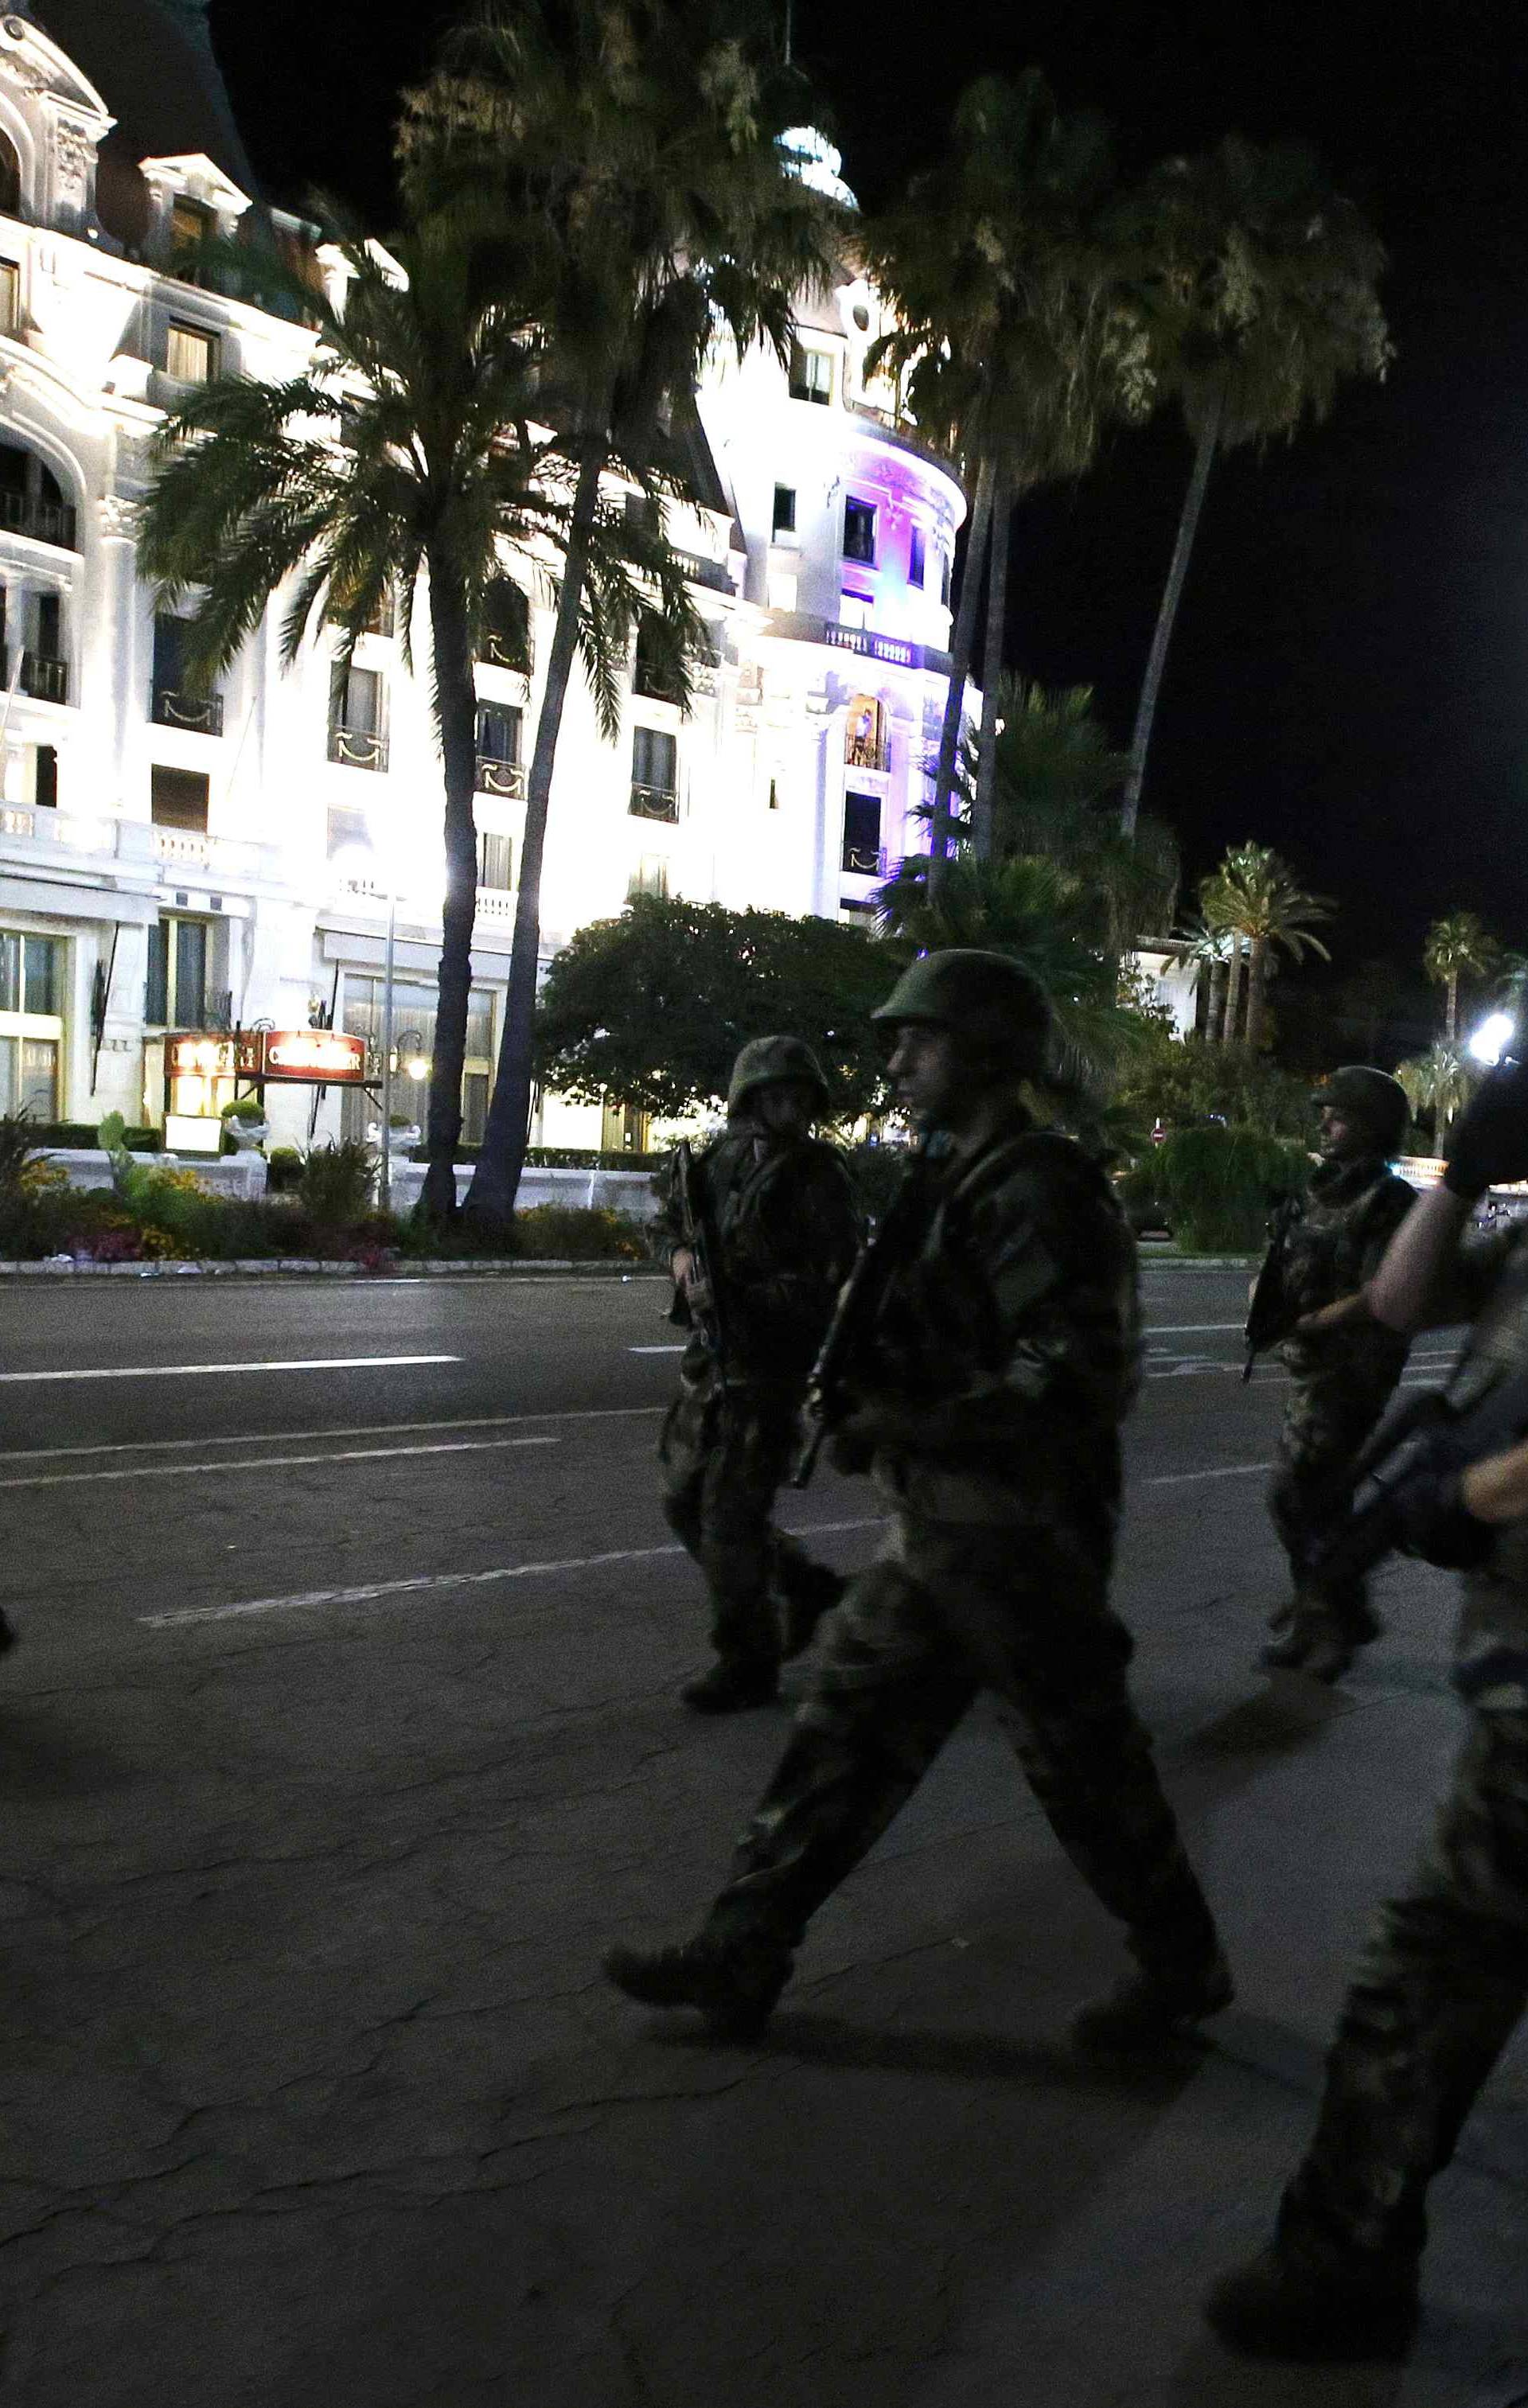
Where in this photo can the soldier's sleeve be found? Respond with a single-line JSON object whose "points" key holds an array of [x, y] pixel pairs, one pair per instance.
{"points": [[1391, 1208], [667, 1223]]}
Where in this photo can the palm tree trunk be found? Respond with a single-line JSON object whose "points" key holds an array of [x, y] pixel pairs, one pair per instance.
{"points": [[1256, 981], [1193, 502], [1214, 1023], [961, 644], [1451, 1029], [502, 1160], [455, 703], [982, 813], [1234, 989]]}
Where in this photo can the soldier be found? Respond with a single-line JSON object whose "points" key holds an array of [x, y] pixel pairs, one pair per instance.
{"points": [[1443, 1978], [998, 1356], [1343, 1377], [779, 1213]]}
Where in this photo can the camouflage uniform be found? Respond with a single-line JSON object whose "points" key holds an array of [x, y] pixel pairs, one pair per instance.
{"points": [[1343, 1378], [785, 1231], [1006, 1336], [1444, 1979]]}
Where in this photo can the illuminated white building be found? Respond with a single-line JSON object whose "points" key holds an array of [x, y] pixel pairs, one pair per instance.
{"points": [[169, 865]]}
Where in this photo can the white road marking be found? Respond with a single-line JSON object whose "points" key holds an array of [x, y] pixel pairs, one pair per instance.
{"points": [[202, 1370], [270, 1462], [297, 1437], [656, 1350], [1220, 1472], [1194, 1328], [372, 1590]]}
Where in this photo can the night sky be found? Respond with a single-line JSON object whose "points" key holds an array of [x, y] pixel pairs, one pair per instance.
{"points": [[1349, 674]]}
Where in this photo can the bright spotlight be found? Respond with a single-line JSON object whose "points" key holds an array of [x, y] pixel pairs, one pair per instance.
{"points": [[1492, 1038]]}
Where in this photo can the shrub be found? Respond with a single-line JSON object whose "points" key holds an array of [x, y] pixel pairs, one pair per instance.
{"points": [[283, 1169], [243, 1107], [17, 1152], [334, 1185], [573, 1233], [1220, 1183]]}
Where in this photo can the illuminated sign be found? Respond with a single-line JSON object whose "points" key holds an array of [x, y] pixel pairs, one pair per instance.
{"points": [[313, 1056], [876, 648], [198, 1056]]}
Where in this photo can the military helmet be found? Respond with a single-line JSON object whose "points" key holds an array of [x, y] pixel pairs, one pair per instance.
{"points": [[989, 997], [764, 1059], [1371, 1097]]}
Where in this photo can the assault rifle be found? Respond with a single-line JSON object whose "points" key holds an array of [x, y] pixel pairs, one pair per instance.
{"points": [[826, 1400], [698, 1306], [1415, 1443], [1272, 1312]]}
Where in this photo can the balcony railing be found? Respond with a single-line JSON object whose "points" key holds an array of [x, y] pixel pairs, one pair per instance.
{"points": [[50, 522], [507, 652], [44, 679], [653, 802], [859, 861], [495, 903], [713, 573], [183, 844], [201, 713], [356, 748], [864, 752], [505, 777]]}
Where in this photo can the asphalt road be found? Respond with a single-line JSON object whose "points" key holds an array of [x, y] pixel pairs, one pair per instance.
{"points": [[343, 1738]]}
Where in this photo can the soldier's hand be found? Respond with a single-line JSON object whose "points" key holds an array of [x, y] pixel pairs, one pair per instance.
{"points": [[1491, 1143], [1347, 1314], [682, 1267]]}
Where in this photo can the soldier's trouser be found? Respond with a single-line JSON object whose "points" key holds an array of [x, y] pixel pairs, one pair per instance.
{"points": [[943, 1613], [723, 1459], [1320, 1436], [1439, 1988]]}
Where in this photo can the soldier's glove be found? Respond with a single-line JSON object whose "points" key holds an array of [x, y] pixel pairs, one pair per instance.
{"points": [[1437, 1526], [1491, 1143]]}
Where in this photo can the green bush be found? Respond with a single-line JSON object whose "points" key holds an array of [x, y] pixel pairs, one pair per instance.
{"points": [[335, 1186], [283, 1169], [84, 1133], [573, 1233], [1220, 1183], [243, 1107]]}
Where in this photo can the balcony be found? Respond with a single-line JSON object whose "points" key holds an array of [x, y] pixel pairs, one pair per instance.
{"points": [[503, 777], [45, 678], [865, 753], [858, 861], [712, 573], [354, 748], [506, 651], [495, 903], [229, 859], [48, 522], [653, 802], [202, 714]]}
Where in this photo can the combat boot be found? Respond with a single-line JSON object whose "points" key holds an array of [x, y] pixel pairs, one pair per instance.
{"points": [[1284, 2306], [733, 1985], [1149, 2009], [732, 1685]]}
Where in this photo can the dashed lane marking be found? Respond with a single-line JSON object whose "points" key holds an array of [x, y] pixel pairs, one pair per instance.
{"points": [[301, 1438], [1220, 1472], [269, 1462], [373, 1590], [204, 1371]]}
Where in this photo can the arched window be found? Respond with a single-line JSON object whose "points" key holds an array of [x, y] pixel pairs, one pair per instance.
{"points": [[10, 179], [32, 500], [864, 735]]}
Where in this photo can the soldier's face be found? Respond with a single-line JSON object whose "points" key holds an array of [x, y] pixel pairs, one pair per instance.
{"points": [[1339, 1137], [929, 1078], [786, 1107]]}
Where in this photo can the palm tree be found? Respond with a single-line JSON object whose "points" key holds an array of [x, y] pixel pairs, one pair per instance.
{"points": [[627, 147], [1208, 944], [1254, 895], [1013, 342], [400, 465], [1262, 285], [1437, 1082], [1045, 917], [1455, 946]]}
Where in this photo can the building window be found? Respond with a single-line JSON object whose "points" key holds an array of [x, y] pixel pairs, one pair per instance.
{"points": [[864, 735], [176, 994], [862, 835], [43, 777], [174, 703], [10, 177], [358, 715], [915, 557], [505, 640], [649, 877], [414, 1045], [657, 672], [859, 530], [654, 774], [191, 356], [192, 227], [10, 297], [784, 521], [31, 1022], [349, 834], [854, 609], [499, 769], [179, 799], [945, 577], [811, 374], [32, 500], [496, 862]]}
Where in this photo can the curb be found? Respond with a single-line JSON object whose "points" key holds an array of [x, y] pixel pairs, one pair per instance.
{"points": [[492, 1266]]}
